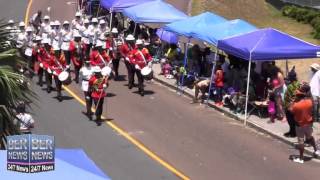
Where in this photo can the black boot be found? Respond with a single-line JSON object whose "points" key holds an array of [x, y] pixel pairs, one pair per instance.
{"points": [[59, 97]]}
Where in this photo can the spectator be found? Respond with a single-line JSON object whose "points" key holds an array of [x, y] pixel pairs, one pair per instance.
{"points": [[288, 97], [278, 88], [203, 87], [315, 89], [218, 82], [301, 109], [24, 120], [271, 107]]}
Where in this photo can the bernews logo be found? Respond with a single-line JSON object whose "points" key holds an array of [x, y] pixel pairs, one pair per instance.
{"points": [[30, 153]]}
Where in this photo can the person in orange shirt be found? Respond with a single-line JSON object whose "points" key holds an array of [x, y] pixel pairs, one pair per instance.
{"points": [[218, 83], [301, 109], [140, 58]]}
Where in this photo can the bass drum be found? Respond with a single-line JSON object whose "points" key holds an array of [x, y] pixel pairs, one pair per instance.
{"points": [[65, 78], [147, 73]]}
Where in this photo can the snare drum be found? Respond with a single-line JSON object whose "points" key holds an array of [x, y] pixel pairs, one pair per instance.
{"points": [[65, 78], [147, 73]]}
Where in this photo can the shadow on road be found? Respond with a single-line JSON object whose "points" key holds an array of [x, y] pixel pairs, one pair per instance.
{"points": [[146, 92], [110, 94]]}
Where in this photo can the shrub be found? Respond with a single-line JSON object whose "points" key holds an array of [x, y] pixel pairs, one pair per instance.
{"points": [[315, 21]]}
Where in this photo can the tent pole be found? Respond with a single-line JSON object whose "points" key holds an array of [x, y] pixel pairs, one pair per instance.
{"points": [[134, 30], [184, 65], [287, 68], [110, 23], [247, 92], [212, 73]]}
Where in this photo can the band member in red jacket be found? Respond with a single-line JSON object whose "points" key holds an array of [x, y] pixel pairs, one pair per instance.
{"points": [[58, 67], [47, 57], [98, 59], [77, 53], [141, 58], [97, 86], [37, 48], [126, 50]]}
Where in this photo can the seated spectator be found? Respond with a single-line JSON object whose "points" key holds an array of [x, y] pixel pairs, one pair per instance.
{"points": [[24, 120]]}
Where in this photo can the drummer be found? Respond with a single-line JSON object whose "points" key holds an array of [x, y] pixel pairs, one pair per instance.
{"points": [[37, 48], [58, 67], [97, 86], [125, 50], [47, 57], [141, 58], [85, 75], [96, 58]]}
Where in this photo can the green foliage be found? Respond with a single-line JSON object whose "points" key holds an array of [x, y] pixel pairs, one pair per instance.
{"points": [[304, 15]]}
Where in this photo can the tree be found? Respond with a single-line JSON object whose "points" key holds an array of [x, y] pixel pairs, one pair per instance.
{"points": [[13, 85]]}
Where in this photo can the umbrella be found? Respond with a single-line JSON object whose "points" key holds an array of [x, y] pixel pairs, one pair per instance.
{"points": [[167, 36]]}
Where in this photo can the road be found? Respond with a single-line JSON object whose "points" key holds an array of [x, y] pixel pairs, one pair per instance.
{"points": [[200, 142]]}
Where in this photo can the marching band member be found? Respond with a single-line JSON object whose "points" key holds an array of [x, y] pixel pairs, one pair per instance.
{"points": [[76, 23], [28, 43], [125, 51], [140, 57], [51, 33], [21, 37], [86, 38], [66, 36], [98, 59], [116, 44], [77, 51], [100, 34], [47, 57], [97, 85], [60, 64], [55, 36], [93, 30], [36, 53], [45, 28], [85, 75]]}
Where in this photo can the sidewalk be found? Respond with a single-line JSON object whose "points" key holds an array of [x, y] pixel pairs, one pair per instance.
{"points": [[276, 129]]}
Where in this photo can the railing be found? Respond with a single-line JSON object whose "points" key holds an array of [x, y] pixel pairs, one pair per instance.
{"points": [[306, 3]]}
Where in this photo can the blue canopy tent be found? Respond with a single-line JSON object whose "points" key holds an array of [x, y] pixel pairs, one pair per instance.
{"points": [[158, 12], [71, 164], [216, 32], [201, 21], [120, 5], [267, 44], [167, 36]]}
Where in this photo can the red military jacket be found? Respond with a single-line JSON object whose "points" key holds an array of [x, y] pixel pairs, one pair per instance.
{"points": [[46, 58], [58, 64], [96, 59], [96, 87], [125, 50], [77, 55], [140, 57]]}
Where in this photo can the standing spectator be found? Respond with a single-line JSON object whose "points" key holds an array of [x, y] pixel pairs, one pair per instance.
{"points": [[288, 97], [315, 89], [218, 82], [279, 88], [301, 109]]}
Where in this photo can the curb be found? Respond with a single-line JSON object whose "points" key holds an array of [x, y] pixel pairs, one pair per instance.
{"points": [[237, 118]]}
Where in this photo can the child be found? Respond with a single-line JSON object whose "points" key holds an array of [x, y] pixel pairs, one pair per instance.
{"points": [[272, 107], [218, 81]]}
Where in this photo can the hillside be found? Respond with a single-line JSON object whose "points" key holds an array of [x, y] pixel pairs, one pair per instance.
{"points": [[262, 14]]}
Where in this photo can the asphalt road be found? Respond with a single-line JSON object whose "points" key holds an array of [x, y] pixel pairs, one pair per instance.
{"points": [[200, 142]]}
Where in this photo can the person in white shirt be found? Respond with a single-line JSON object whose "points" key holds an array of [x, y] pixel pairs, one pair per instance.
{"points": [[85, 75], [93, 31], [45, 28], [66, 36], [315, 89], [55, 35], [20, 37], [101, 38], [23, 119], [85, 33], [76, 23]]}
